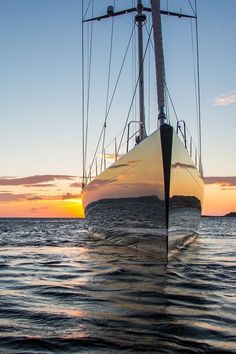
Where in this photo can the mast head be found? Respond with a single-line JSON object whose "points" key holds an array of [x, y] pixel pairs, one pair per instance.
{"points": [[140, 18], [110, 10]]}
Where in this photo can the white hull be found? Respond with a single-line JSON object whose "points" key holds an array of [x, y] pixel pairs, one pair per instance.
{"points": [[150, 198]]}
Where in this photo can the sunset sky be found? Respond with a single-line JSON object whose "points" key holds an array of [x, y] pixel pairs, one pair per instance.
{"points": [[40, 101]]}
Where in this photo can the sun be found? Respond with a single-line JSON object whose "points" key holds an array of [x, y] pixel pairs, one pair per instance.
{"points": [[75, 207]]}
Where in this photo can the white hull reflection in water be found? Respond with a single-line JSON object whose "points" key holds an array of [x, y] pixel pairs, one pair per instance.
{"points": [[150, 199]]}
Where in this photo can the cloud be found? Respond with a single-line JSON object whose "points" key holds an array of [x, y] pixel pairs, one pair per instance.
{"points": [[10, 197], [70, 196], [33, 180], [76, 184], [40, 185], [34, 198], [225, 99], [54, 197], [35, 210], [224, 182]]}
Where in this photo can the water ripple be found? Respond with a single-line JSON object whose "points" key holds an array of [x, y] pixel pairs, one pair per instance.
{"points": [[65, 291]]}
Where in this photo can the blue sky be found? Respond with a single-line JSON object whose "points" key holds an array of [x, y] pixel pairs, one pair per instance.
{"points": [[40, 90], [40, 70], [40, 86]]}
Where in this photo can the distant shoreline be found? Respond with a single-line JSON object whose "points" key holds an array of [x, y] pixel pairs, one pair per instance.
{"points": [[231, 215], [228, 215]]}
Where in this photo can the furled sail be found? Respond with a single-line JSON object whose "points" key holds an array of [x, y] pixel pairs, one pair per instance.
{"points": [[159, 58]]}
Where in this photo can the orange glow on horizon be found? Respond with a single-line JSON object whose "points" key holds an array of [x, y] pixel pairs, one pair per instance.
{"points": [[69, 208], [218, 200]]}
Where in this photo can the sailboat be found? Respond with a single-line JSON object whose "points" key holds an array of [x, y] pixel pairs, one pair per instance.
{"points": [[151, 197]]}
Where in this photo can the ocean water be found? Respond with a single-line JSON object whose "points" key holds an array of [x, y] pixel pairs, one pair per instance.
{"points": [[65, 291]]}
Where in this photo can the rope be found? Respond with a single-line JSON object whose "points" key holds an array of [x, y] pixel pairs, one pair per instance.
{"points": [[113, 94], [122, 65], [195, 79], [172, 103], [108, 87], [149, 80], [83, 17], [198, 84], [109, 70], [194, 12], [145, 52], [83, 142], [134, 110], [89, 82], [96, 150]]}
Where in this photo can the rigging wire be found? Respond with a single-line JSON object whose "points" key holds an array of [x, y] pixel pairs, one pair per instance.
{"points": [[195, 79], [83, 138], [149, 80], [172, 103], [134, 69], [121, 68], [194, 72], [199, 119], [108, 89], [108, 106], [89, 83], [194, 12], [109, 70], [196, 82], [132, 100], [198, 87], [113, 94], [83, 16]]}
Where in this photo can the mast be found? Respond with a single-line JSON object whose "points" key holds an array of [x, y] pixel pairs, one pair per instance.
{"points": [[159, 59], [140, 18]]}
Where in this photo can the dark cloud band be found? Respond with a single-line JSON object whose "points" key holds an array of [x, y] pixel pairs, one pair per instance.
{"points": [[33, 180], [223, 181]]}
